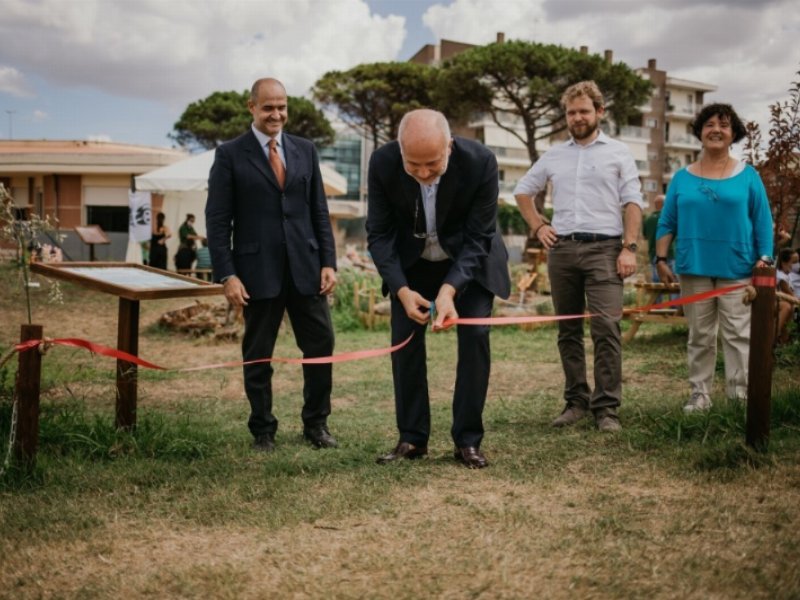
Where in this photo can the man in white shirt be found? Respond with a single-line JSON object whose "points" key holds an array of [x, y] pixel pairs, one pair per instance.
{"points": [[597, 214]]}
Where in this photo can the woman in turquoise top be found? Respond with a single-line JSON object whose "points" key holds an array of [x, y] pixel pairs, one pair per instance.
{"points": [[717, 211]]}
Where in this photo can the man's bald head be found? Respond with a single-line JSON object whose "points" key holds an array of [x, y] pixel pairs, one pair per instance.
{"points": [[275, 87], [425, 144], [424, 125]]}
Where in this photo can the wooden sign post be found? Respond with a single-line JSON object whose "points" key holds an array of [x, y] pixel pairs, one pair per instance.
{"points": [[26, 432], [762, 338], [92, 234]]}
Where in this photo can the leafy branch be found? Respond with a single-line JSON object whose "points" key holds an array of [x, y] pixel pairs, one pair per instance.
{"points": [[23, 234]]}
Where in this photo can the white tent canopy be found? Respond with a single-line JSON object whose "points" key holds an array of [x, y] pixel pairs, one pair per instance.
{"points": [[184, 185], [191, 174]]}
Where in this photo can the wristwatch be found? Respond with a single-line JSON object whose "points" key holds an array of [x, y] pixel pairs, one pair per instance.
{"points": [[632, 246], [661, 259], [767, 260]]}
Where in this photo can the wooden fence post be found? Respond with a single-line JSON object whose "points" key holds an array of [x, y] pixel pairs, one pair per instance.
{"points": [[762, 338], [26, 434]]}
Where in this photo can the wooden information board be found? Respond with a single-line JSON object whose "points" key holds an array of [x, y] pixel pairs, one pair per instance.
{"points": [[131, 283]]}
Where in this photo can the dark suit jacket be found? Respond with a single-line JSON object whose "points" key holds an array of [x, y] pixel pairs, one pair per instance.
{"points": [[255, 229], [466, 218]]}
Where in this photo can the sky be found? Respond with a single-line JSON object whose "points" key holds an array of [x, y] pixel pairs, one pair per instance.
{"points": [[124, 70]]}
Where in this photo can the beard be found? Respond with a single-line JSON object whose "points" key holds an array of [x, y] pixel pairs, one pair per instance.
{"points": [[581, 132]]}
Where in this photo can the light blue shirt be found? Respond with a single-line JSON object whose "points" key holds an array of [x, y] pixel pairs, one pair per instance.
{"points": [[591, 184], [264, 139], [433, 250], [721, 226]]}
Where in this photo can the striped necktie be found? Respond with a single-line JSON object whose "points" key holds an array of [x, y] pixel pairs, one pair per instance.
{"points": [[275, 163]]}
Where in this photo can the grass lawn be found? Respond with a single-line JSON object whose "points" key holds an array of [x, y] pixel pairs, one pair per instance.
{"points": [[674, 506]]}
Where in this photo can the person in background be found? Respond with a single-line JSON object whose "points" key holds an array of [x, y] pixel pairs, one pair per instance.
{"points": [[788, 265], [188, 240], [649, 226], [158, 247], [591, 243], [203, 260], [717, 212]]}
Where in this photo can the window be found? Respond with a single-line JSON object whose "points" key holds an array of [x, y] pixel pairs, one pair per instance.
{"points": [[502, 175], [109, 218]]}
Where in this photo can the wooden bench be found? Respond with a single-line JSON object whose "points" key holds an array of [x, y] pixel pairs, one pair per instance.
{"points": [[647, 294]]}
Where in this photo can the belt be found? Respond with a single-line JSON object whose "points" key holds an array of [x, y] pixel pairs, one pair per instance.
{"points": [[588, 237]]}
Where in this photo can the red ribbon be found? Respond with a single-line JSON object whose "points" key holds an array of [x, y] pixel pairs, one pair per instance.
{"points": [[358, 354], [764, 281], [113, 353]]}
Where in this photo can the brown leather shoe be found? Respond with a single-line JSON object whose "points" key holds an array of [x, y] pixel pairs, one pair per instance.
{"points": [[403, 450], [471, 457], [570, 416]]}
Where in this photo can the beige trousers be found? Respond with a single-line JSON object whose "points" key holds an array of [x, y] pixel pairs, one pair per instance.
{"points": [[728, 314]]}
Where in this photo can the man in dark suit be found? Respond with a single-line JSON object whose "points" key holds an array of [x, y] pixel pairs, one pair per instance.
{"points": [[272, 247], [432, 232]]}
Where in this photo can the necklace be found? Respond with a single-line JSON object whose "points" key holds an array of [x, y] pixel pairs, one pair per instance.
{"points": [[705, 188]]}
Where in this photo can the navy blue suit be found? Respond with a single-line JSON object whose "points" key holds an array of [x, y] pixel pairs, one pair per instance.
{"points": [[466, 224], [276, 242]]}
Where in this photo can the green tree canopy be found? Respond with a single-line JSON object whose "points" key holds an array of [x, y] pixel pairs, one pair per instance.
{"points": [[374, 97], [519, 82], [222, 116]]}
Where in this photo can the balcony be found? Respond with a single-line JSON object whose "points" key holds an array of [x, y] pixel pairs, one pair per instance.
{"points": [[517, 157], [683, 111], [684, 141], [639, 134]]}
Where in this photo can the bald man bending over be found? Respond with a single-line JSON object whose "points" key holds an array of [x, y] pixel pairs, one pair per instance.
{"points": [[432, 232]]}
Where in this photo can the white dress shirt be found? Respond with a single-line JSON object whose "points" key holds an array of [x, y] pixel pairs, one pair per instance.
{"points": [[591, 184], [263, 140], [433, 250]]}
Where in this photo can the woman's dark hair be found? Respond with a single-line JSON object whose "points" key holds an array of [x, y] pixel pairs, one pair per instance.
{"points": [[785, 255], [160, 219], [723, 111]]}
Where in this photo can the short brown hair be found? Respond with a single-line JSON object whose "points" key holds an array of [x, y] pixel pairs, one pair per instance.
{"points": [[583, 88]]}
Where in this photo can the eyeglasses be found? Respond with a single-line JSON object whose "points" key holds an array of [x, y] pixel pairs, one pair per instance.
{"points": [[708, 192], [419, 233]]}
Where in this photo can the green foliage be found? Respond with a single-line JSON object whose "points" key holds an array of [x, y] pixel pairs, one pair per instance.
{"points": [[375, 96], [778, 165], [523, 81], [222, 116], [345, 314], [72, 430], [510, 220], [307, 121], [208, 122]]}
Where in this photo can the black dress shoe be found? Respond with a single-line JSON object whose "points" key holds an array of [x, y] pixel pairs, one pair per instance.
{"points": [[264, 443], [403, 450], [471, 457], [320, 437]]}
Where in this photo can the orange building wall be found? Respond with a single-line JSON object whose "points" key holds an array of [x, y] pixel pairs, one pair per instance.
{"points": [[64, 203]]}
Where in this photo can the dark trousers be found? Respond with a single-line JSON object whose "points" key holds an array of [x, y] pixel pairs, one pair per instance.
{"points": [[409, 369], [313, 331], [584, 273]]}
